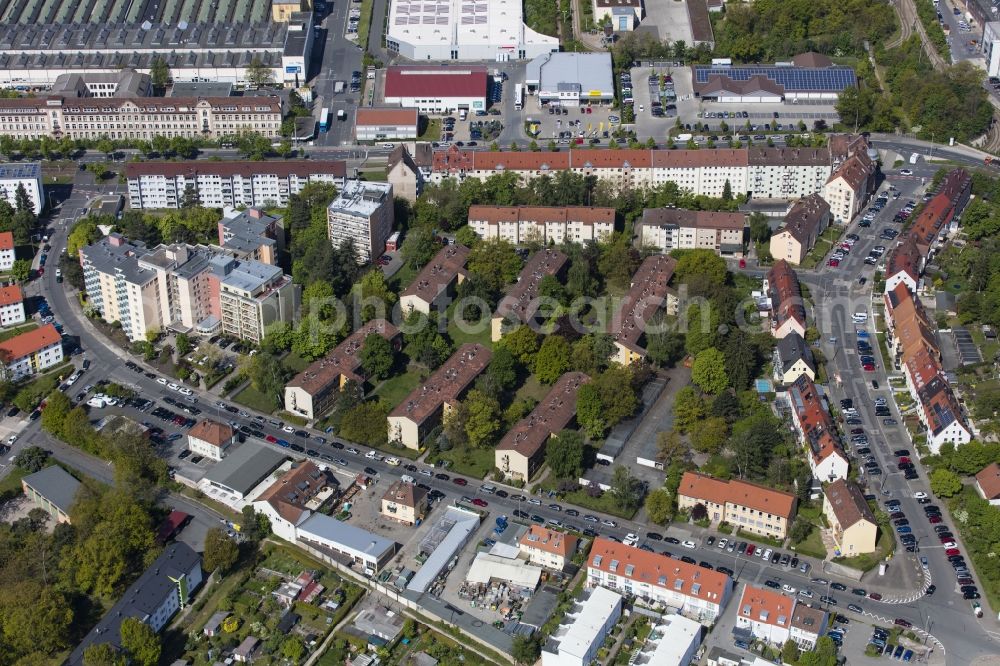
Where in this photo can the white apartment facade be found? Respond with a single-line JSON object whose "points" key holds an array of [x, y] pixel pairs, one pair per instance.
{"points": [[11, 306], [30, 353], [522, 224], [252, 296], [7, 253], [210, 439], [362, 213], [28, 175], [226, 184]]}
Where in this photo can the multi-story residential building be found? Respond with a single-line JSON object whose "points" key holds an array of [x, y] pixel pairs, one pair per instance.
{"points": [[184, 286], [226, 184], [748, 506], [424, 408], [805, 221], [406, 172], [674, 639], [436, 281], [648, 295], [583, 630], [405, 502], [668, 229], [793, 358], [765, 613], [164, 588], [808, 624], [521, 305], [363, 214], [848, 187], [818, 432], [11, 306], [385, 123], [252, 296], [252, 234], [788, 311], [766, 173], [139, 118], [903, 266], [522, 450], [850, 518], [653, 578], [117, 289], [935, 219], [6, 250], [549, 548], [312, 392], [28, 176], [52, 489], [294, 496], [210, 439], [30, 353], [542, 224]]}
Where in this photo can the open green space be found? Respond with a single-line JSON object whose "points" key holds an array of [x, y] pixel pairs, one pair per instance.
{"points": [[431, 129], [254, 399], [14, 332], [532, 388], [812, 545], [823, 246], [294, 362], [476, 331], [365, 24], [373, 175], [393, 390], [474, 462], [605, 503]]}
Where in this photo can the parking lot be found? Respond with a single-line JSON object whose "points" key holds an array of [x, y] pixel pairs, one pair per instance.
{"points": [[668, 20]]}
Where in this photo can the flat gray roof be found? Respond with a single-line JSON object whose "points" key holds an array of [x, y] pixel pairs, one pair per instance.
{"points": [[591, 71], [460, 525], [346, 537], [245, 466], [56, 485]]}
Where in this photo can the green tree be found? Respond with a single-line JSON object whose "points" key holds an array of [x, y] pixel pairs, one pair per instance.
{"points": [[483, 421], [522, 342], [626, 488], [760, 229], [496, 262], [31, 459], [503, 369], [182, 345], [20, 270], [553, 359], [56, 407], [689, 409], [221, 552], [102, 654], [702, 328], [564, 454], [710, 435], [365, 423], [741, 359], [709, 371], [419, 247], [699, 263], [83, 233], [259, 75], [376, 297], [659, 507], [140, 642], [790, 652], [254, 146], [36, 618], [377, 356], [800, 530], [267, 376], [526, 649], [945, 483], [159, 72]]}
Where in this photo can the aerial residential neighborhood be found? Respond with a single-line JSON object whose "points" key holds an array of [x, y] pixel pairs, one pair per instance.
{"points": [[513, 332]]}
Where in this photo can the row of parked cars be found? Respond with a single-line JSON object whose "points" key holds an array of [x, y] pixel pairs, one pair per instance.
{"points": [[879, 640]]}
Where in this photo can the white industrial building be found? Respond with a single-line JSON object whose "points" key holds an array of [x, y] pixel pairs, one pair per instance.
{"points": [[584, 628], [28, 174], [442, 544], [463, 30], [991, 48], [362, 213], [571, 79], [437, 88], [339, 539]]}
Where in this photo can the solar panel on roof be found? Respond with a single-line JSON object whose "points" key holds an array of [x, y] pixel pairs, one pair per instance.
{"points": [[792, 78]]}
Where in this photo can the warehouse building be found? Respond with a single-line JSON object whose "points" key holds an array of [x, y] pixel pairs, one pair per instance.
{"points": [[437, 88], [571, 79], [809, 76], [463, 30], [381, 124]]}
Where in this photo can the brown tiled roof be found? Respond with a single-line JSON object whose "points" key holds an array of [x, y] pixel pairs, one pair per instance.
{"points": [[742, 493], [843, 146], [386, 116], [691, 159], [818, 427], [659, 570], [701, 24], [808, 619], [805, 217], [6, 240], [446, 384], [647, 295], [344, 360], [520, 302], [989, 480], [940, 406], [701, 219], [855, 171], [542, 214], [940, 210], [404, 493], [548, 418], [763, 156], [423, 154], [10, 295], [400, 154], [294, 489], [766, 606], [542, 538], [848, 503], [213, 432], [904, 258], [811, 59], [281, 168], [437, 275], [785, 294], [28, 343], [718, 83]]}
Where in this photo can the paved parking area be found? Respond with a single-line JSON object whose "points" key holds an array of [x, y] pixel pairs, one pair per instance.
{"points": [[575, 120], [366, 513], [668, 20]]}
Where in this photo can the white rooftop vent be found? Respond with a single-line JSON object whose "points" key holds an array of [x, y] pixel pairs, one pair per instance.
{"points": [[146, 25]]}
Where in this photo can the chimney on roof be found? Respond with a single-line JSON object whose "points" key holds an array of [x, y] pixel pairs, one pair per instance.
{"points": [[255, 213]]}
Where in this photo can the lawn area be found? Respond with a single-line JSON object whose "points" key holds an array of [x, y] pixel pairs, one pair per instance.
{"points": [[402, 278], [823, 245], [294, 362], [12, 332], [531, 388], [476, 463], [480, 331], [10, 485], [432, 129], [392, 391], [374, 175], [254, 399], [605, 503], [365, 24], [869, 561], [812, 545]]}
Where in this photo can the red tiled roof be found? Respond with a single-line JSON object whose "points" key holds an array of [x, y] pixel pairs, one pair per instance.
{"points": [[6, 240], [785, 294], [647, 295], [28, 343], [435, 277], [281, 168], [446, 384], [542, 538], [700, 219], [213, 432], [437, 81], [520, 303], [765, 606], [345, 359], [855, 171], [548, 418], [294, 489], [989, 481], [741, 493], [10, 295], [390, 116]]}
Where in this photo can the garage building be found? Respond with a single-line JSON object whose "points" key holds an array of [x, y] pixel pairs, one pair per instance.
{"points": [[571, 79], [810, 76], [379, 124], [437, 89]]}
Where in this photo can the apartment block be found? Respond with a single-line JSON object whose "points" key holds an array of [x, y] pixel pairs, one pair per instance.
{"points": [[252, 234], [848, 187], [294, 496], [793, 358], [817, 430], [668, 229], [648, 295], [7, 255], [436, 282], [210, 439], [11, 306], [692, 591], [226, 184], [252, 296], [362, 214], [27, 175], [549, 548], [805, 222], [583, 630], [405, 503], [117, 289], [406, 172], [185, 290], [851, 520], [312, 392], [748, 506], [808, 624], [139, 118], [522, 450], [903, 266], [426, 405], [937, 216], [788, 312], [30, 353], [542, 224], [520, 305]]}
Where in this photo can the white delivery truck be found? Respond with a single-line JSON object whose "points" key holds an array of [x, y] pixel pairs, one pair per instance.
{"points": [[341, 114], [683, 138], [338, 87], [913, 158]]}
